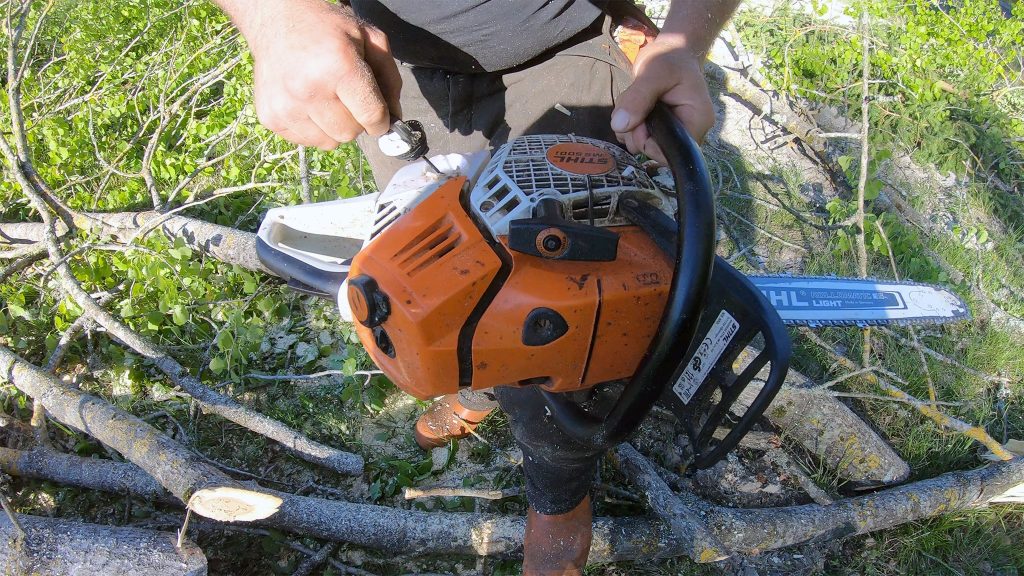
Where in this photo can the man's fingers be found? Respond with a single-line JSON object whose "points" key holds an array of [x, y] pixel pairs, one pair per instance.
{"points": [[698, 117], [644, 143], [636, 102], [306, 133], [335, 120], [378, 56], [653, 151], [627, 140], [359, 93]]}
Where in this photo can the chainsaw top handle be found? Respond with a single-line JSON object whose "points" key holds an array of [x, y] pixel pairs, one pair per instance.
{"points": [[694, 260]]}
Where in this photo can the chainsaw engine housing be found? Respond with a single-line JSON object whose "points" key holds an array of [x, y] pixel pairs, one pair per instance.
{"points": [[527, 274]]}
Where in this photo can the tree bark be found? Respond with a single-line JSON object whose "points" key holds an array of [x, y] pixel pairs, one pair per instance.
{"points": [[221, 242], [206, 489], [21, 233], [226, 244], [92, 473], [830, 430], [827, 428], [684, 522], [58, 547], [771, 528], [741, 531]]}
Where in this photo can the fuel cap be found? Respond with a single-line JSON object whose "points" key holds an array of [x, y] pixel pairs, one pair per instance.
{"points": [[369, 305]]}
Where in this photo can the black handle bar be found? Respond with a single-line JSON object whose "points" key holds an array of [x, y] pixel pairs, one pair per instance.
{"points": [[694, 260]]}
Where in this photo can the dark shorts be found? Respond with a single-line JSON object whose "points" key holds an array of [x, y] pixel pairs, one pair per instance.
{"points": [[470, 112]]}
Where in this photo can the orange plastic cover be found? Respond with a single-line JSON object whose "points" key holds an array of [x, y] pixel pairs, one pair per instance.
{"points": [[433, 265], [458, 305]]}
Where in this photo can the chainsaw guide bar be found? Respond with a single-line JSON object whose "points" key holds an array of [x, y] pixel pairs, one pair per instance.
{"points": [[817, 301]]}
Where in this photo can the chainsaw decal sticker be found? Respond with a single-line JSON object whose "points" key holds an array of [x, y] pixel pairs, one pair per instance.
{"points": [[782, 298], [580, 158], [815, 301], [707, 355]]}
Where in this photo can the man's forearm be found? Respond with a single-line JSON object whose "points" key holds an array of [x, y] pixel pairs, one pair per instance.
{"points": [[249, 16], [694, 24], [245, 15]]}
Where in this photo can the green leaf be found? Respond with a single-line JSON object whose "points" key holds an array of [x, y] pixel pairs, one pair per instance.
{"points": [[179, 315], [154, 320], [349, 366], [844, 162], [218, 364], [375, 491], [872, 189], [225, 340], [18, 312]]}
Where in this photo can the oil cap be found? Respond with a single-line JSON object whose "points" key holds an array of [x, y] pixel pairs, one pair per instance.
{"points": [[369, 305]]}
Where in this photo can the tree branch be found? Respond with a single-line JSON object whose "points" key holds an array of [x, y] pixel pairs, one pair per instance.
{"points": [[57, 546], [743, 531], [207, 490], [943, 420]]}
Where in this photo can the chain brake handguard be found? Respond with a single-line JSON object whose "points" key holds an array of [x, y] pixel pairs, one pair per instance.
{"points": [[703, 287], [735, 314]]}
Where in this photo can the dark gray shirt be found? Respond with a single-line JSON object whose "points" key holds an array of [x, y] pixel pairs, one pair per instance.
{"points": [[477, 35]]}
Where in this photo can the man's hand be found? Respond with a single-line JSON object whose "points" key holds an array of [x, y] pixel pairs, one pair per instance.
{"points": [[671, 69], [674, 75], [322, 77]]}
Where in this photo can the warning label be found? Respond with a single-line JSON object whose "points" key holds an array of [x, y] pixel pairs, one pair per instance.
{"points": [[579, 158], [707, 355]]}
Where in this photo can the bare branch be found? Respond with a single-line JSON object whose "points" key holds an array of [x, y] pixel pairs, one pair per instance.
{"points": [[742, 531], [304, 192], [416, 492], [206, 489], [685, 522]]}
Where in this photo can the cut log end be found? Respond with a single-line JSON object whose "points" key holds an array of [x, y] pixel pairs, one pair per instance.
{"points": [[1014, 495], [229, 504]]}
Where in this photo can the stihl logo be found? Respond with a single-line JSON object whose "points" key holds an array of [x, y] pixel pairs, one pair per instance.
{"points": [[580, 158], [791, 299], [569, 157]]}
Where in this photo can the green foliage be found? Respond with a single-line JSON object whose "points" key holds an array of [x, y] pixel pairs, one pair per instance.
{"points": [[945, 80], [975, 543], [388, 477]]}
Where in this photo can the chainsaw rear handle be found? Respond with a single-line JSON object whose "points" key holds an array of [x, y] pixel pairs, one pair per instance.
{"points": [[694, 259]]}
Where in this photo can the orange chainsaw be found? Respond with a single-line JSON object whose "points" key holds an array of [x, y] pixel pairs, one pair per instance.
{"points": [[558, 263]]}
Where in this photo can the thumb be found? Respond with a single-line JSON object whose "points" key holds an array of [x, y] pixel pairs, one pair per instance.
{"points": [[637, 101]]}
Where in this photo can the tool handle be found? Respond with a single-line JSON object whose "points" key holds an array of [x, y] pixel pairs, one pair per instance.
{"points": [[301, 275]]}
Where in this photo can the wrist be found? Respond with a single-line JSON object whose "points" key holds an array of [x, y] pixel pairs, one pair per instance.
{"points": [[693, 25], [680, 45], [256, 19]]}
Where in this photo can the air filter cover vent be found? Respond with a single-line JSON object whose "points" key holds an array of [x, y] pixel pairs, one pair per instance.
{"points": [[521, 173]]}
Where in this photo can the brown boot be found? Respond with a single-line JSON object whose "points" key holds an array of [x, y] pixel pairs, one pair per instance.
{"points": [[557, 545], [446, 418]]}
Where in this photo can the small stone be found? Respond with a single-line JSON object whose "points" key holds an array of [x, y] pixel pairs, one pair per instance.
{"points": [[749, 487], [439, 458]]}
